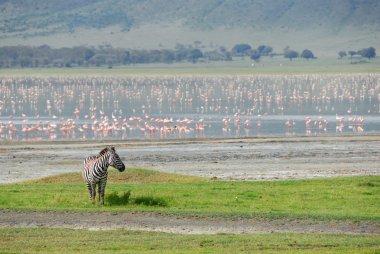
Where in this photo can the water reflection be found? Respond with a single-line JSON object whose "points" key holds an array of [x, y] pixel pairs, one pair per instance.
{"points": [[187, 107]]}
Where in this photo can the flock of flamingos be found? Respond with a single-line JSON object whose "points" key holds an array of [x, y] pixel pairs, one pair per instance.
{"points": [[33, 108]]}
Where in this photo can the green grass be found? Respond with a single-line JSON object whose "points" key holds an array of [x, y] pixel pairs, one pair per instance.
{"points": [[277, 65], [350, 198], [121, 241]]}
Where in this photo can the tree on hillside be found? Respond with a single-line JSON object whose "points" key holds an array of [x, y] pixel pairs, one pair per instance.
{"points": [[167, 56], [241, 49], [368, 52], [195, 54], [255, 55], [342, 54], [307, 54], [264, 50], [125, 57], [351, 53], [288, 53], [88, 54], [218, 55]]}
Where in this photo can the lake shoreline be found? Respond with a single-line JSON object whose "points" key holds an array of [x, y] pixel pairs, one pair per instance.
{"points": [[243, 159]]}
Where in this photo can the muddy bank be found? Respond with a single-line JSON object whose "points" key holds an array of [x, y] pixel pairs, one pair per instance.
{"points": [[230, 159], [178, 224]]}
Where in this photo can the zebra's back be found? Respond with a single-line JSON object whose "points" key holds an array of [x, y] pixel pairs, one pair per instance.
{"points": [[93, 170]]}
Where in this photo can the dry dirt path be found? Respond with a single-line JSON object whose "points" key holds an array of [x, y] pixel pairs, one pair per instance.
{"points": [[178, 224]]}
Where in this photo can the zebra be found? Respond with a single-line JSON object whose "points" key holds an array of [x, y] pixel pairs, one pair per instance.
{"points": [[95, 171]]}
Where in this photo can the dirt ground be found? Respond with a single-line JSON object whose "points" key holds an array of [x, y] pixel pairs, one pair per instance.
{"points": [[230, 159], [176, 224]]}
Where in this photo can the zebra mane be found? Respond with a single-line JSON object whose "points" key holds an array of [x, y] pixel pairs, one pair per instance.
{"points": [[102, 152]]}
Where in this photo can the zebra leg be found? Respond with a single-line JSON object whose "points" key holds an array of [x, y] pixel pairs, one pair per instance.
{"points": [[102, 188], [99, 192], [93, 193], [89, 187]]}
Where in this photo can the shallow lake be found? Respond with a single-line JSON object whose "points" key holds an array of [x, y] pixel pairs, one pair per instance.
{"points": [[34, 108]]}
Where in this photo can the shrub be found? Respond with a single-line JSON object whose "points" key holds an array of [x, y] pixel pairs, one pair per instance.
{"points": [[151, 201], [115, 199]]}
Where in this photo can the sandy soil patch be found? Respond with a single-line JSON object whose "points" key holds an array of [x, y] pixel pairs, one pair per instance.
{"points": [[229, 159]]}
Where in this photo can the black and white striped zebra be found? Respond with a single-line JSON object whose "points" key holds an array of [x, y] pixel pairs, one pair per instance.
{"points": [[95, 171]]}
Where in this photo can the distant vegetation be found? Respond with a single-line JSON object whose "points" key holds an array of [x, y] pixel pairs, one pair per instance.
{"points": [[366, 52], [82, 56], [45, 56]]}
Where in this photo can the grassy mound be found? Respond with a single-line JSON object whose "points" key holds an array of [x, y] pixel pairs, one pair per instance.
{"points": [[132, 175], [346, 198]]}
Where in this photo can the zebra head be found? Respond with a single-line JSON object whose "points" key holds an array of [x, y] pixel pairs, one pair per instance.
{"points": [[114, 159]]}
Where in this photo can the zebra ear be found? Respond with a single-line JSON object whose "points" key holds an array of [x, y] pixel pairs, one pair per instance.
{"points": [[113, 148]]}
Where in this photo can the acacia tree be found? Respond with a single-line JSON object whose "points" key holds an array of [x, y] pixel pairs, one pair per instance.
{"points": [[255, 55], [351, 53], [241, 49], [368, 52], [307, 54], [195, 54], [288, 53], [342, 54], [264, 50]]}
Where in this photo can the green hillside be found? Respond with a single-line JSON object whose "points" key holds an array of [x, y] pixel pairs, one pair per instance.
{"points": [[325, 26]]}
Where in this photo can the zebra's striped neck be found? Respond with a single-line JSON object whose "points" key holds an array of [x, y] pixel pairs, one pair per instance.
{"points": [[102, 152], [103, 157]]}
